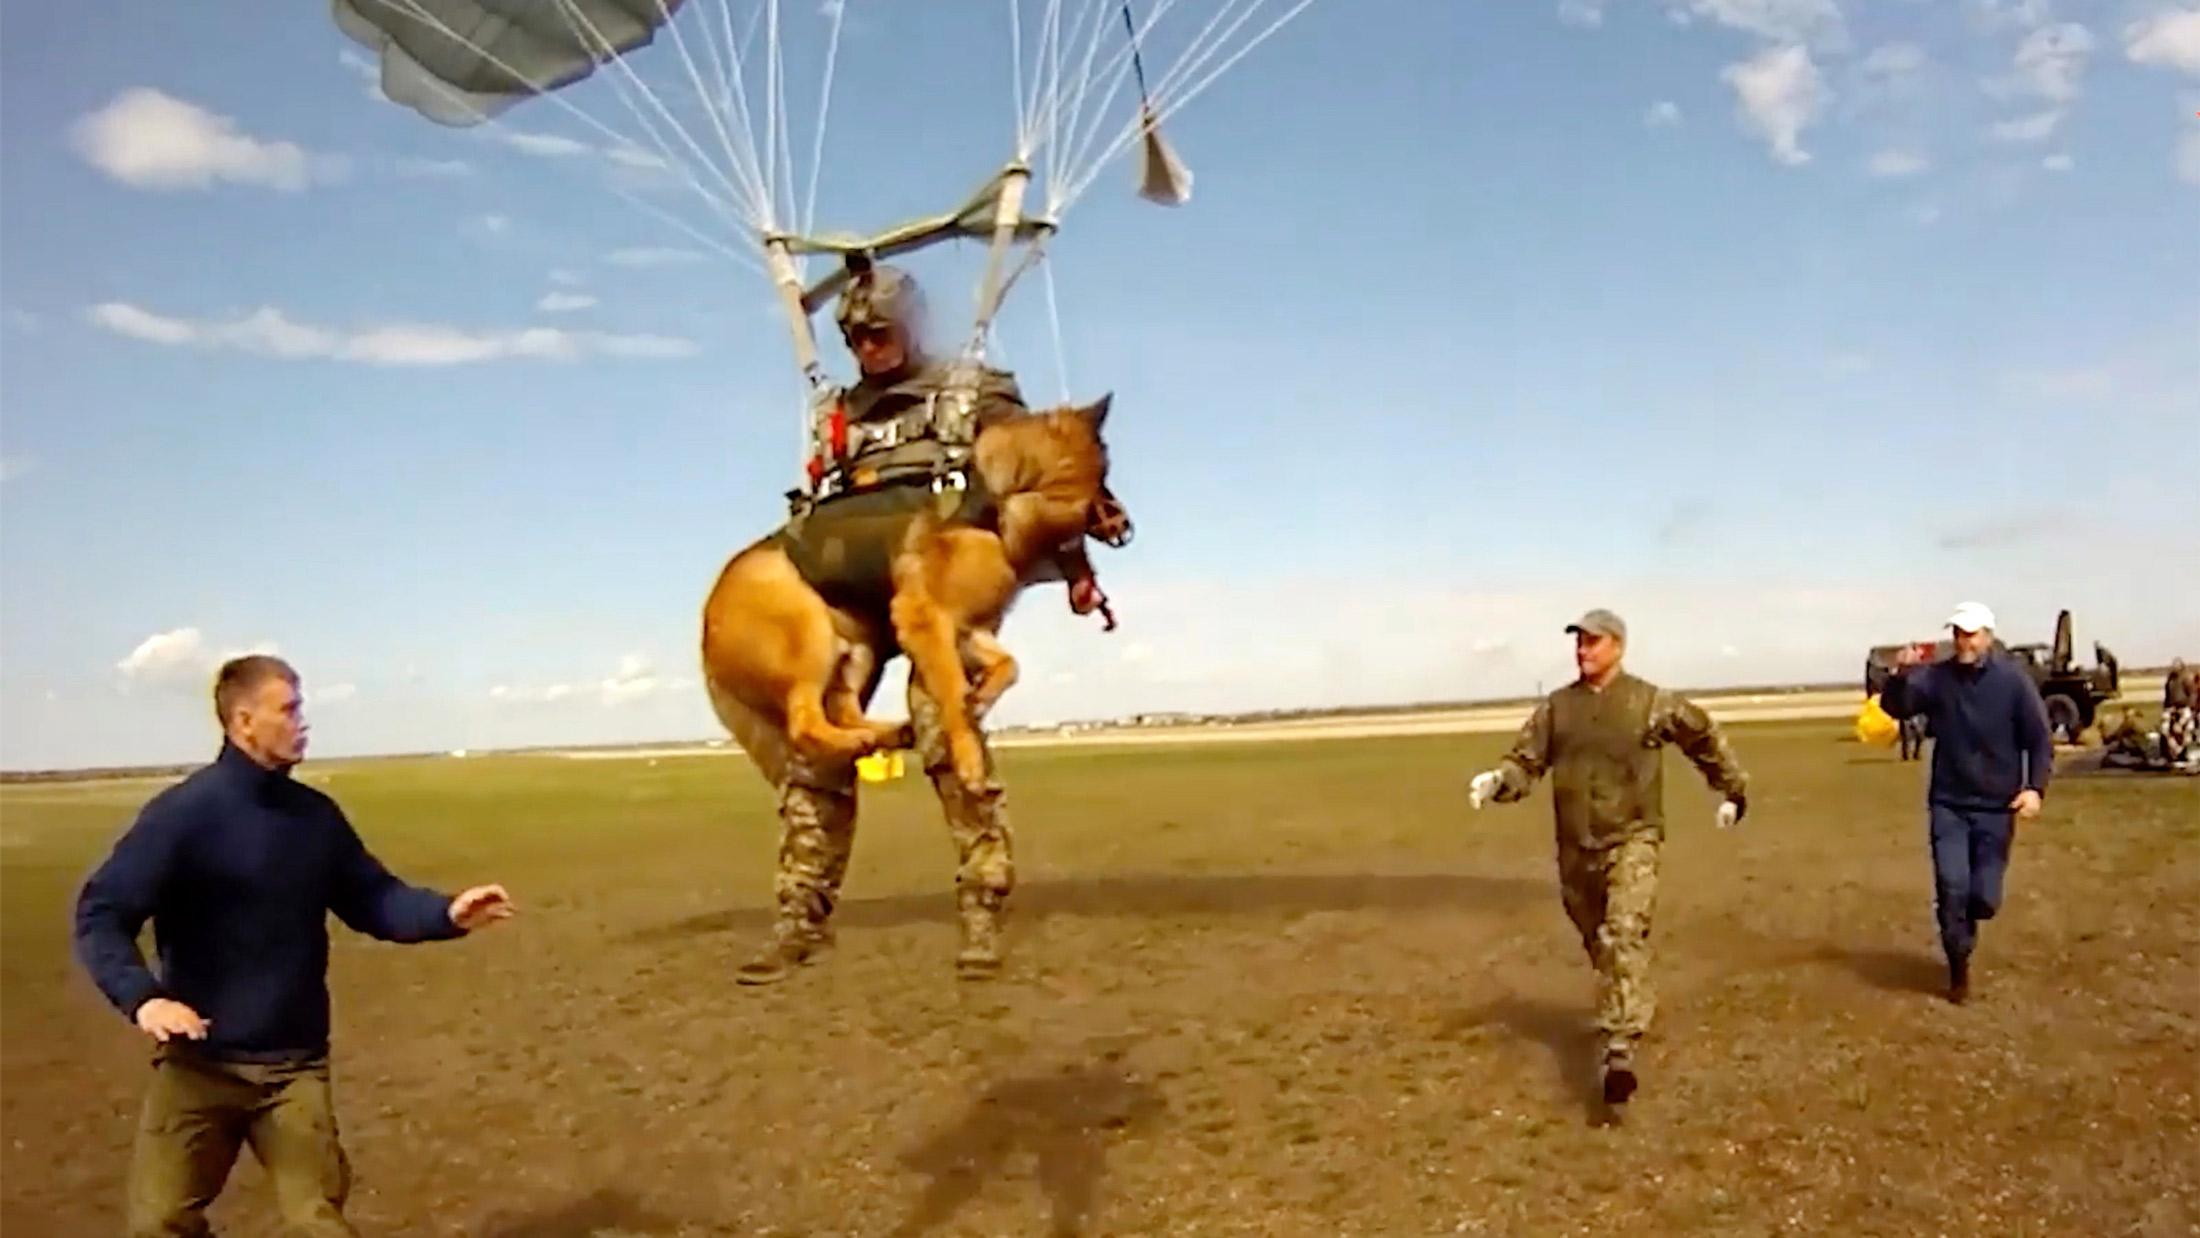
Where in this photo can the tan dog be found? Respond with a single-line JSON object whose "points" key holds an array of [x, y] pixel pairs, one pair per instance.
{"points": [[775, 651]]}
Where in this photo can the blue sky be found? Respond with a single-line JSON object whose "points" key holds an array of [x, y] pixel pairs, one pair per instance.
{"points": [[1777, 325]]}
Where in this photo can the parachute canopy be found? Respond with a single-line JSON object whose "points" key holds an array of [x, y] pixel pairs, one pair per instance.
{"points": [[460, 62], [708, 93]]}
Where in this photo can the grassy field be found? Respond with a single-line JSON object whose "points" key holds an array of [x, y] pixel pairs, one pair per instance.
{"points": [[1253, 990]]}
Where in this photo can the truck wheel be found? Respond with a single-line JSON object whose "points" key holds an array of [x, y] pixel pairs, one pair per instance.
{"points": [[2064, 720]]}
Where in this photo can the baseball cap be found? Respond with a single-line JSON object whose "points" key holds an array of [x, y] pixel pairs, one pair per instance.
{"points": [[1971, 617], [1600, 622]]}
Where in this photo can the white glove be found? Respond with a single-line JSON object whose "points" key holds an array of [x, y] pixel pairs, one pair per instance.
{"points": [[1729, 813], [1481, 788]]}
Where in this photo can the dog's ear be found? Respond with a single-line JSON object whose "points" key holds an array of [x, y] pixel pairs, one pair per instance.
{"points": [[1097, 411]]}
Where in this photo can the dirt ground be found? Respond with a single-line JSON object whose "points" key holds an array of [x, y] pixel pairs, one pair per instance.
{"points": [[1275, 990]]}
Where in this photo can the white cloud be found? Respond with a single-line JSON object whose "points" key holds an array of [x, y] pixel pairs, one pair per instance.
{"points": [[2170, 38], [24, 320], [651, 256], [2188, 157], [1889, 163], [496, 223], [14, 466], [565, 278], [269, 332], [1779, 94], [1587, 14], [332, 694], [2057, 163], [1894, 60], [1662, 114], [180, 658], [2051, 61], [2005, 14], [2037, 127], [170, 657], [1783, 21], [635, 680], [564, 302], [150, 140], [435, 168], [629, 155], [547, 145], [2095, 382], [138, 324]]}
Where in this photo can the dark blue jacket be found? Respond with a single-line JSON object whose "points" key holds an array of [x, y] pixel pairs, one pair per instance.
{"points": [[1990, 736], [238, 867]]}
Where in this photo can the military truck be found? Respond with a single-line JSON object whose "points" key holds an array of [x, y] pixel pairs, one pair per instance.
{"points": [[2072, 694]]}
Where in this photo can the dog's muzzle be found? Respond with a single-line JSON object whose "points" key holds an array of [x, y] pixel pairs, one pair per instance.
{"points": [[1109, 523]]}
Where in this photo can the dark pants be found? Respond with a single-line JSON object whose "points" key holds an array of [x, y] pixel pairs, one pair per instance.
{"points": [[1970, 856], [199, 1114]]}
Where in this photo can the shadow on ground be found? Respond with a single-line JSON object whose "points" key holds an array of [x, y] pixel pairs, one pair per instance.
{"points": [[1062, 1121], [1159, 895], [606, 1212], [1897, 971], [1564, 1031]]}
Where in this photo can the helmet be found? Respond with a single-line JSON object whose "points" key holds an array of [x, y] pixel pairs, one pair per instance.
{"points": [[881, 296]]}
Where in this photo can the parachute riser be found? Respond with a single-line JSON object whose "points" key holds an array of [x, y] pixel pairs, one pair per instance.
{"points": [[1007, 218]]}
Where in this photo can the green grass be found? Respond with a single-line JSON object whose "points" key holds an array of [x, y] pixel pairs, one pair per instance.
{"points": [[1281, 989]]}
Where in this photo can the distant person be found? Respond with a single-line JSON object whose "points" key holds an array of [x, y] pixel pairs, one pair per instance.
{"points": [[1600, 738], [1912, 732], [238, 866], [2180, 690], [1992, 758]]}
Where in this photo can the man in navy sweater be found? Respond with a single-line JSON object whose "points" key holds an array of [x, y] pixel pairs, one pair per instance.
{"points": [[238, 866], [1992, 758]]}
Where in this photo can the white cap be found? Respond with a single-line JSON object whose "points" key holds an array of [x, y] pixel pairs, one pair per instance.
{"points": [[1971, 617]]}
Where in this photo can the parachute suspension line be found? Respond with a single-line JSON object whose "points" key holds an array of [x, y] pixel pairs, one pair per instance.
{"points": [[737, 99], [1057, 166], [742, 259], [587, 32], [1016, 68], [1028, 101], [785, 172], [695, 77], [1118, 69], [582, 25], [1176, 102], [1090, 165], [824, 111], [726, 210], [1054, 326], [774, 98], [1206, 41], [1054, 83], [1171, 87]]}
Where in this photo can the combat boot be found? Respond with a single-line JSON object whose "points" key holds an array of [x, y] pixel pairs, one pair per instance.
{"points": [[980, 958], [792, 944]]}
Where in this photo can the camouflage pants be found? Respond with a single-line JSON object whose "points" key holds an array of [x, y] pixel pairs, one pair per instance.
{"points": [[1610, 894], [817, 813]]}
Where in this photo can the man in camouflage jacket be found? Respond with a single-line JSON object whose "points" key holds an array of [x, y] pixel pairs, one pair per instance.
{"points": [[893, 448], [1601, 740]]}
